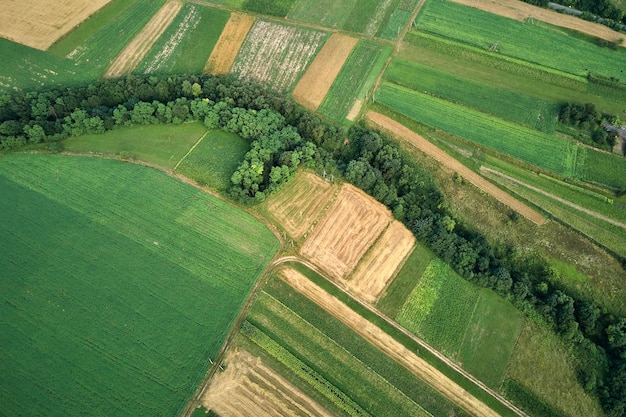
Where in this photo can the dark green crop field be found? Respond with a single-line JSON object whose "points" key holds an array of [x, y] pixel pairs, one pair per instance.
{"points": [[118, 285]]}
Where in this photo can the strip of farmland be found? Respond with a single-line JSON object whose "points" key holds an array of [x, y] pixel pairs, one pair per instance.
{"points": [[229, 43], [137, 49], [316, 81], [446, 160]]}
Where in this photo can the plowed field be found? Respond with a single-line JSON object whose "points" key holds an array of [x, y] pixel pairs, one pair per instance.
{"points": [[228, 45]]}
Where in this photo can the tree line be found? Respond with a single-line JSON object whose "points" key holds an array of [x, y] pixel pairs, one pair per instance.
{"points": [[590, 122], [284, 136], [611, 15]]}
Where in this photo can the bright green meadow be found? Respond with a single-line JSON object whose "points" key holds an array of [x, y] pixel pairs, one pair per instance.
{"points": [[119, 284]]}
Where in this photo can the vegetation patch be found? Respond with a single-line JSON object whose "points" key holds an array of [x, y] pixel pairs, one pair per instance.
{"points": [[152, 277], [278, 8]]}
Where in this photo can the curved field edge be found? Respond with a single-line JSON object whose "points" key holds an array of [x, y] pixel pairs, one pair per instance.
{"points": [[124, 268]]}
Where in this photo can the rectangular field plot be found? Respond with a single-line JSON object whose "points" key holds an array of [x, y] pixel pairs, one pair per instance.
{"points": [[532, 43], [381, 262], [538, 148], [602, 168], [439, 308], [516, 107], [225, 51], [355, 80], [119, 285], [188, 42], [352, 224], [277, 55]]}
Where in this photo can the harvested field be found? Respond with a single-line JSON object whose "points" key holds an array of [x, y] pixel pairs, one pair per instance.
{"points": [[139, 47], [382, 262], [390, 125], [316, 81], [389, 346], [250, 388], [40, 23], [518, 10], [355, 110], [351, 226], [301, 202], [228, 45]]}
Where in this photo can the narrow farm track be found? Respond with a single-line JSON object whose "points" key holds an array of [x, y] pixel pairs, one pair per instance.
{"points": [[139, 47], [402, 132]]}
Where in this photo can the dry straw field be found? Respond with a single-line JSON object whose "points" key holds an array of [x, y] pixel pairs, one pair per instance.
{"points": [[229, 43], [40, 23]]}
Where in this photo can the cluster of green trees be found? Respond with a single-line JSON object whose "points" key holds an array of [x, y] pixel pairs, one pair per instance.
{"points": [[283, 136], [612, 16], [590, 122]]}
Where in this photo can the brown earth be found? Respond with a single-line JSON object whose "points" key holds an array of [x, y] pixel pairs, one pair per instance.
{"points": [[519, 10], [137, 49], [227, 46], [397, 129], [350, 227], [389, 346], [40, 23], [316, 81], [301, 202], [382, 262], [248, 388], [355, 110]]}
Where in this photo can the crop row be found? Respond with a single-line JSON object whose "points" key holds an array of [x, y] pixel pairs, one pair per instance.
{"points": [[533, 43], [513, 106]]}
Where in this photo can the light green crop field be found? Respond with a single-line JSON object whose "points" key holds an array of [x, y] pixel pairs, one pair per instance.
{"points": [[161, 145], [188, 41], [214, 160], [356, 78], [532, 43], [398, 19], [119, 284], [509, 105]]}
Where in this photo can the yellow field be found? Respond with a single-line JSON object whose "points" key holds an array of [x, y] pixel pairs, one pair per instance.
{"points": [[228, 44], [40, 23]]}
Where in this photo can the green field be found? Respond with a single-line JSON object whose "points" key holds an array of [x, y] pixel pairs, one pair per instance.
{"points": [[277, 55], [369, 17], [602, 168], [548, 152], [214, 160], [161, 145], [119, 284], [398, 19], [187, 43], [356, 79], [278, 8], [509, 105], [439, 308], [536, 44]]}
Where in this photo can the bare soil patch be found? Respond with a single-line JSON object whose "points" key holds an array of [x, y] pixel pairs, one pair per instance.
{"points": [[227, 46], [386, 344], [316, 81], [397, 129], [301, 203], [382, 262], [355, 110], [248, 388], [350, 227], [137, 49], [519, 10], [40, 23]]}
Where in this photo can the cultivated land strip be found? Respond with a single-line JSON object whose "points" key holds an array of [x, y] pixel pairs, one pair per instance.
{"points": [[316, 81], [519, 10], [398, 130], [227, 46], [139, 47], [387, 344]]}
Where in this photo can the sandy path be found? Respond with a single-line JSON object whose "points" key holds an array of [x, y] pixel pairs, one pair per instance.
{"points": [[519, 10], [390, 125], [387, 344], [316, 81], [227, 46], [40, 23], [137, 49]]}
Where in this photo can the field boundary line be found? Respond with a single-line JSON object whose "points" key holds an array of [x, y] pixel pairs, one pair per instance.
{"points": [[190, 150]]}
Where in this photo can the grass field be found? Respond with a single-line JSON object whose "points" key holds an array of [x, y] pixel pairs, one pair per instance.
{"points": [[533, 43], [188, 42], [356, 79], [278, 8], [277, 55], [548, 152], [602, 168], [398, 19], [124, 283], [513, 106], [162, 145], [439, 308], [214, 160]]}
